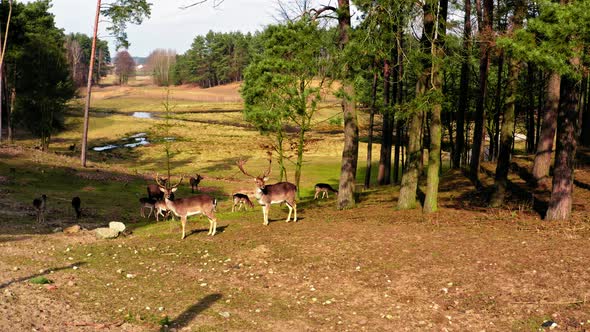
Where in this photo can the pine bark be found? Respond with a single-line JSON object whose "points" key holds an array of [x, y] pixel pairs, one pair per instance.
{"points": [[464, 88], [542, 161], [485, 34], [384, 173], [370, 142], [351, 133], [560, 204], [530, 135]]}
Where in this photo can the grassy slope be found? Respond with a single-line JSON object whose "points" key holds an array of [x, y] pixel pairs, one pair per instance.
{"points": [[372, 268]]}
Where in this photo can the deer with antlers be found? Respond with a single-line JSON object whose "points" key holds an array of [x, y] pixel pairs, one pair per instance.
{"points": [[267, 194], [190, 206]]}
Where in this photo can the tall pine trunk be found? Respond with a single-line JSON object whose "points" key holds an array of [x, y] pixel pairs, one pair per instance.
{"points": [[409, 185], [508, 120], [384, 174], [530, 132], [542, 162], [485, 36], [370, 142], [351, 132], [495, 142], [464, 88], [560, 205]]}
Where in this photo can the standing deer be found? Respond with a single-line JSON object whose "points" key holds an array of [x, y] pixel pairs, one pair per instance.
{"points": [[195, 182], [268, 194], [185, 207], [160, 207], [153, 190], [76, 202], [323, 188], [241, 199], [40, 204], [146, 203]]}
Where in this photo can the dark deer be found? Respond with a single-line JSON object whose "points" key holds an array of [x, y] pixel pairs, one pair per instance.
{"points": [[194, 205], [146, 203], [76, 202], [153, 190], [267, 194], [195, 182], [324, 188], [40, 204], [241, 199]]}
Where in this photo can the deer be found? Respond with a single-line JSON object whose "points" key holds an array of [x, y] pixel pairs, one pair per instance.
{"points": [[153, 190], [76, 202], [146, 203], [267, 194], [195, 182], [241, 199], [194, 205], [160, 207], [324, 188], [40, 204]]}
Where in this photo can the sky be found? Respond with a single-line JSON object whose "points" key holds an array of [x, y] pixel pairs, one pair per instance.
{"points": [[170, 27]]}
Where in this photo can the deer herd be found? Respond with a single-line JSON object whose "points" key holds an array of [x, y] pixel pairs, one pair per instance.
{"points": [[161, 201]]}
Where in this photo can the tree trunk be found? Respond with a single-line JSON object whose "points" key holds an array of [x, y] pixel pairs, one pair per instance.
{"points": [[530, 133], [9, 123], [545, 144], [486, 34], [384, 175], [585, 134], [506, 138], [560, 205], [371, 121], [495, 142], [399, 99], [89, 87], [351, 132], [409, 185]]}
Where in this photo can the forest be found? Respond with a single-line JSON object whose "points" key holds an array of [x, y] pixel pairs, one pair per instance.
{"points": [[443, 147]]}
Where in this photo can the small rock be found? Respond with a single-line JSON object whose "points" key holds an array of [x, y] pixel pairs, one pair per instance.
{"points": [[224, 314], [15, 268], [119, 271], [51, 287], [71, 283], [550, 324], [72, 229], [106, 233], [57, 230], [130, 276], [118, 226]]}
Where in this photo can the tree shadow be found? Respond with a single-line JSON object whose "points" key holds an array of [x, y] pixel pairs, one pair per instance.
{"points": [[192, 312], [10, 282]]}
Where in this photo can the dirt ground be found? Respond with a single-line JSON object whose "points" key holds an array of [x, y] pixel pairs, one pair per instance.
{"points": [[465, 268]]}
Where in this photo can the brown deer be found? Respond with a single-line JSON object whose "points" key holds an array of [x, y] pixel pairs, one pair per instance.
{"points": [[160, 207], [241, 199], [40, 204], [76, 202], [195, 182], [185, 207], [153, 190], [267, 194], [323, 188]]}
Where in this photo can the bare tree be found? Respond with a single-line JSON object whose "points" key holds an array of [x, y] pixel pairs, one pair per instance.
{"points": [[2, 60], [124, 67], [159, 63], [74, 54]]}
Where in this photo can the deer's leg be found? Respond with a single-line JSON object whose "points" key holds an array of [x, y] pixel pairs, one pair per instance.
{"points": [[233, 207], [290, 211], [265, 209], [316, 195], [295, 208], [141, 213], [183, 222]]}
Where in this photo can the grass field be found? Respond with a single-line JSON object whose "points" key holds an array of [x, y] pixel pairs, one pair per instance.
{"points": [[372, 268]]}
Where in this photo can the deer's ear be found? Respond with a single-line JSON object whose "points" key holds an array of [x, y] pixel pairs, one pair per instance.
{"points": [[162, 189], [265, 178], [173, 189]]}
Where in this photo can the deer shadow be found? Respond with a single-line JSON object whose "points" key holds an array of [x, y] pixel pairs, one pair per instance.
{"points": [[10, 282], [219, 230], [191, 312]]}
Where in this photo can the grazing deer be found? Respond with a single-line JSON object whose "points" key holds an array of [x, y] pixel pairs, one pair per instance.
{"points": [[195, 182], [40, 205], [146, 203], [267, 194], [323, 188], [185, 207], [241, 199], [76, 202], [160, 207]]}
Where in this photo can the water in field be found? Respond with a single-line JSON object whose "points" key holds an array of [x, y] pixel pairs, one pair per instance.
{"points": [[133, 141], [142, 115]]}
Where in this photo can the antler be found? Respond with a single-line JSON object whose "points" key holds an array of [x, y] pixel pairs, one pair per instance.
{"points": [[163, 185], [240, 164], [267, 173]]}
